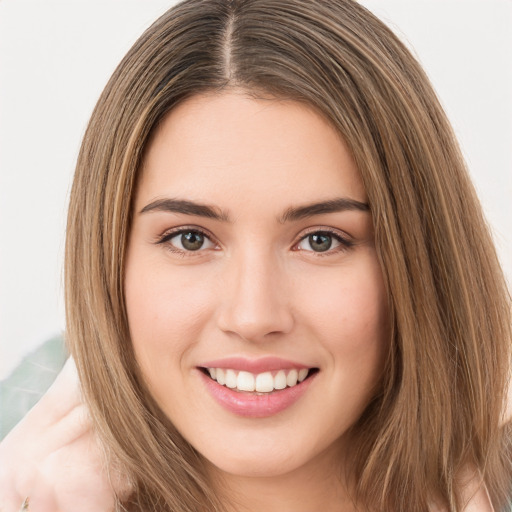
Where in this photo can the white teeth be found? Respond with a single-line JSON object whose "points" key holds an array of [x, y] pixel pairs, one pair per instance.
{"points": [[220, 377], [245, 381], [231, 380], [291, 378], [261, 383], [280, 380], [264, 382], [303, 373]]}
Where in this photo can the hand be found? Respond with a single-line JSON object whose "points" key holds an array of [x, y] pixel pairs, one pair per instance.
{"points": [[54, 458]]}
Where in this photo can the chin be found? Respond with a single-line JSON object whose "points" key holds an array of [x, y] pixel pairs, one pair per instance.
{"points": [[264, 459], [260, 467]]}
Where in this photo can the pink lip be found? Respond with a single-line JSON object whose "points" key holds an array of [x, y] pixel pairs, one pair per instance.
{"points": [[252, 405], [264, 364]]}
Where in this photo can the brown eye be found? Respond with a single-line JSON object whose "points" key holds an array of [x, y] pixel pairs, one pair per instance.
{"points": [[187, 240], [320, 242], [324, 242], [192, 241]]}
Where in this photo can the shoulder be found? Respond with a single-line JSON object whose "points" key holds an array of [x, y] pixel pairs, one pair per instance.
{"points": [[474, 494]]}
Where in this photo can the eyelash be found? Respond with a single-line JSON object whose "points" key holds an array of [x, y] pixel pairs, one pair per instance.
{"points": [[344, 243], [169, 235]]}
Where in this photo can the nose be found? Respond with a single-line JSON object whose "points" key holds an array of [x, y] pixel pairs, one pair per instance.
{"points": [[256, 305]]}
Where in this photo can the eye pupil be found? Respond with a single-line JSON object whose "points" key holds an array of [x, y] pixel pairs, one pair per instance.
{"points": [[320, 242], [192, 241]]}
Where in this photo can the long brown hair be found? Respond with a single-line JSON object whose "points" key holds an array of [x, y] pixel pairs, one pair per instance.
{"points": [[443, 393]]}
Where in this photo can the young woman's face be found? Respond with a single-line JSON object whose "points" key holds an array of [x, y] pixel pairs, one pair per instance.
{"points": [[252, 258]]}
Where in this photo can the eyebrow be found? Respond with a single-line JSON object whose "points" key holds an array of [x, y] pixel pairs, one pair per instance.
{"points": [[291, 214], [186, 207], [330, 206]]}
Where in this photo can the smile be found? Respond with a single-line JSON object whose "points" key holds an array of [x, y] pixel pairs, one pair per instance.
{"points": [[265, 382], [265, 391]]}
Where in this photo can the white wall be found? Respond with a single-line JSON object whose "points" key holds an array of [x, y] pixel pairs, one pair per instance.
{"points": [[56, 56]]}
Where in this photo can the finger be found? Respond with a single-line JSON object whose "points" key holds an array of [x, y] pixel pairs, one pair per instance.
{"points": [[75, 424], [10, 501], [42, 497], [62, 396], [79, 478]]}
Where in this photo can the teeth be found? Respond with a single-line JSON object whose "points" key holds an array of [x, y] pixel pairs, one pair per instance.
{"points": [[245, 381], [291, 378], [280, 380], [261, 383], [231, 380], [220, 376], [264, 382]]}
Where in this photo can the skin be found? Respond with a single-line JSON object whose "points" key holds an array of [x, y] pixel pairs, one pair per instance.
{"points": [[257, 288], [54, 457]]}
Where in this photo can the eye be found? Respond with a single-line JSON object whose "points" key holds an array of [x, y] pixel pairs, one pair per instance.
{"points": [[323, 241], [187, 240]]}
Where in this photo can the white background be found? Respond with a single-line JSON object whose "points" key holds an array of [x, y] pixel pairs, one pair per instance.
{"points": [[56, 56]]}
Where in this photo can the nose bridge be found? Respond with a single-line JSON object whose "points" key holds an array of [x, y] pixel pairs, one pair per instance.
{"points": [[256, 302]]}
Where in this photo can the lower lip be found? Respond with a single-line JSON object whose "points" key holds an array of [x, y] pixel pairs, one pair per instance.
{"points": [[252, 405]]}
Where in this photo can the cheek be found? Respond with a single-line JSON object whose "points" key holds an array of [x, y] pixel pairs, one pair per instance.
{"points": [[166, 311], [349, 311], [349, 318]]}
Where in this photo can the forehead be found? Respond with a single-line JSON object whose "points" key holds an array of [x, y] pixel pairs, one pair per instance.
{"points": [[226, 147]]}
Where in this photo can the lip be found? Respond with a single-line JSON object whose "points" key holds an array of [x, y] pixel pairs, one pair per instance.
{"points": [[252, 405], [264, 364]]}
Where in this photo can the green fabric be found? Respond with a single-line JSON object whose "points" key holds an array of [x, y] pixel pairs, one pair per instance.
{"points": [[28, 382]]}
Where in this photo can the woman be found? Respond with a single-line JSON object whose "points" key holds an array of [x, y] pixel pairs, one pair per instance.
{"points": [[280, 288]]}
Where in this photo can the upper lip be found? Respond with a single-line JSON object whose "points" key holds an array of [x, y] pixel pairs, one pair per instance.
{"points": [[261, 365]]}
